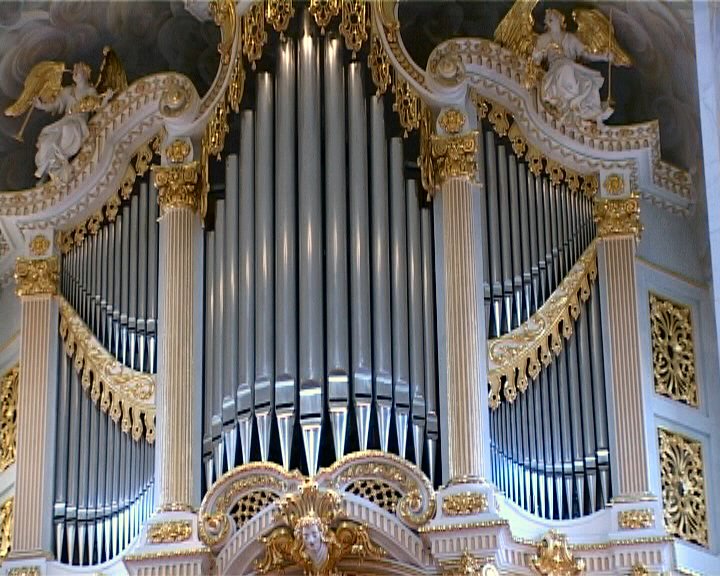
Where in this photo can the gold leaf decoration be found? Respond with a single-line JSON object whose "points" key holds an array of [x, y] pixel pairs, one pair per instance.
{"points": [[406, 105], [36, 277], [454, 156], [683, 487], [6, 527], [353, 25], [618, 217], [254, 35], [169, 532], [177, 186], [673, 350], [8, 416], [464, 504], [554, 557], [636, 519], [279, 13], [379, 65], [323, 11], [39, 245]]}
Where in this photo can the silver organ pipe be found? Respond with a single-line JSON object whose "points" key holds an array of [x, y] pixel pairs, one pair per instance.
{"points": [[549, 446], [103, 478], [335, 298]]}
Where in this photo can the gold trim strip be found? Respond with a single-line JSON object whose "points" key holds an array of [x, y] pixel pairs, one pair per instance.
{"points": [[125, 392], [527, 347], [8, 416]]}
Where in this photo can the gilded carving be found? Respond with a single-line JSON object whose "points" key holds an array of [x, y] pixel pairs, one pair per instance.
{"points": [[499, 119], [618, 217], [683, 487], [313, 535], [517, 140], [673, 350], [123, 392], [469, 566], [523, 351], [237, 86], [36, 277], [554, 557], [177, 186], [178, 151], [464, 504], [279, 13], [353, 25], [6, 527], [24, 571], [636, 519], [406, 105], [39, 245], [323, 11], [379, 65], [425, 160], [8, 416], [223, 12], [614, 185], [169, 532], [454, 156], [452, 120], [253, 33]]}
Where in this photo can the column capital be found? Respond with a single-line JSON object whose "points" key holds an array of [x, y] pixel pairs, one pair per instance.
{"points": [[36, 276], [618, 216], [178, 186], [453, 156]]}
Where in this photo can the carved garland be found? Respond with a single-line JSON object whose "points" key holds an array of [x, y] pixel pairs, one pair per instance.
{"points": [[127, 394], [6, 527], [526, 349], [8, 415]]}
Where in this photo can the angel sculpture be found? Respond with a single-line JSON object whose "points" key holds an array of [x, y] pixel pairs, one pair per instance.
{"points": [[60, 141], [569, 89]]}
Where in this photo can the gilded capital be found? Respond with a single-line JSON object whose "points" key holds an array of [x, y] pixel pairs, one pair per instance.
{"points": [[35, 277], [618, 217], [178, 186], [454, 156]]}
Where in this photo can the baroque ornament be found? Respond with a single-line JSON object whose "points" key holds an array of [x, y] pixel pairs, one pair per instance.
{"points": [[454, 156], [452, 120], [253, 33], [353, 25], [636, 519], [469, 566], [323, 11], [178, 151], [618, 217], [379, 65], [6, 527], [169, 532], [614, 185], [36, 277], [8, 416], [279, 13], [673, 350], [313, 536], [407, 105], [177, 186], [39, 245], [683, 487], [464, 504], [554, 557]]}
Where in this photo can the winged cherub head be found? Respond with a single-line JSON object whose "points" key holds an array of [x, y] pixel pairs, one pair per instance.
{"points": [[310, 533]]}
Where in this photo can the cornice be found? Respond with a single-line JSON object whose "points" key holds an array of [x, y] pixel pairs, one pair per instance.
{"points": [[497, 74]]}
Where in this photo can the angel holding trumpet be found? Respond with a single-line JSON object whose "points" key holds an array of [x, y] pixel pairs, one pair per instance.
{"points": [[59, 141], [568, 88]]}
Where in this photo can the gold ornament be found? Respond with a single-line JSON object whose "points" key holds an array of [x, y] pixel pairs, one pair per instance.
{"points": [[618, 217], [452, 120], [406, 105], [499, 119], [177, 151], [254, 35], [112, 207], [8, 417], [36, 277], [614, 185], [636, 519], [683, 487], [237, 86], [313, 536], [673, 350], [39, 245], [353, 25], [93, 223], [169, 532], [177, 186], [554, 558], [464, 504], [454, 156], [379, 65], [469, 566], [517, 140], [425, 160], [323, 11], [223, 12], [279, 13], [6, 527], [123, 392]]}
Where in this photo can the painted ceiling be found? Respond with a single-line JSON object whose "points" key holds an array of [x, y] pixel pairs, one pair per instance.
{"points": [[154, 36]]}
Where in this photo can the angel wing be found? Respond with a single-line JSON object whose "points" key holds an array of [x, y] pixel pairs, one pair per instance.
{"points": [[597, 33], [112, 74], [515, 31], [44, 82]]}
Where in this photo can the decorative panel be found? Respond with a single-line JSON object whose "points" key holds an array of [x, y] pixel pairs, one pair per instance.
{"points": [[673, 350], [683, 487], [8, 410], [6, 527]]}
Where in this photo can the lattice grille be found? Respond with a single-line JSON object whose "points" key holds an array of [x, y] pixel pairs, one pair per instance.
{"points": [[250, 505], [379, 493]]}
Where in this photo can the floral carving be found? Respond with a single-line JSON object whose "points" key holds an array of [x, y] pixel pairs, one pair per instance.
{"points": [[8, 415]]}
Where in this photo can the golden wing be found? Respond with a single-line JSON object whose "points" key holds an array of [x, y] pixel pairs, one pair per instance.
{"points": [[515, 31], [112, 74], [44, 82], [597, 33]]}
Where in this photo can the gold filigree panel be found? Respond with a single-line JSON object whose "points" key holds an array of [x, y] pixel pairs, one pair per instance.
{"points": [[673, 350], [683, 487], [8, 416], [6, 527]]}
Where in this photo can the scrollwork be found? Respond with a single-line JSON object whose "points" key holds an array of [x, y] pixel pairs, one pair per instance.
{"points": [[554, 557], [169, 532], [464, 504], [177, 186], [353, 25], [636, 519], [8, 415], [36, 277], [454, 156], [6, 527], [254, 36], [618, 217]]}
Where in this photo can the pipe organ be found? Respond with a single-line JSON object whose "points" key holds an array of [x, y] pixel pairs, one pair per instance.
{"points": [[319, 277], [549, 447], [103, 476]]}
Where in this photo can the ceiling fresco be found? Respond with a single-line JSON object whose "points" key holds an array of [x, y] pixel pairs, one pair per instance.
{"points": [[148, 36]]}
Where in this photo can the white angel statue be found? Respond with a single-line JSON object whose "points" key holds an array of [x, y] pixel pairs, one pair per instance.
{"points": [[60, 141], [569, 89]]}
